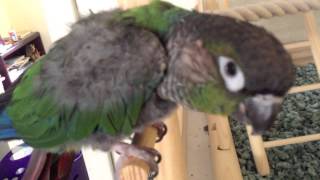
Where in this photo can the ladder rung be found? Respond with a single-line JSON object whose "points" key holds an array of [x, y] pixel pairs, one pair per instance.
{"points": [[302, 54], [303, 88], [302, 61], [293, 140], [297, 46]]}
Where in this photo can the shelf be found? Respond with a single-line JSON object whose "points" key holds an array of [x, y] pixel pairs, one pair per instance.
{"points": [[18, 49], [22, 43]]}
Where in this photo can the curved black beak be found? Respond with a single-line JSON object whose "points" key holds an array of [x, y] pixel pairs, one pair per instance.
{"points": [[260, 111]]}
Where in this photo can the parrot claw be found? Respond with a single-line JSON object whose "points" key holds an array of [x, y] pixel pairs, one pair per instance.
{"points": [[162, 130], [152, 175], [128, 151]]}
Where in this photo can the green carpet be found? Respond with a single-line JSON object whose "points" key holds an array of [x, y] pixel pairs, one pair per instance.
{"points": [[300, 116]]}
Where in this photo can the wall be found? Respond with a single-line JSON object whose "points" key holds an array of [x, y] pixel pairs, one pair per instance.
{"points": [[4, 19], [28, 16], [59, 16], [51, 18], [95, 6]]}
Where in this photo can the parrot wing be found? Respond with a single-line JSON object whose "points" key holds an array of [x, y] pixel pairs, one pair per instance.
{"points": [[96, 79]]}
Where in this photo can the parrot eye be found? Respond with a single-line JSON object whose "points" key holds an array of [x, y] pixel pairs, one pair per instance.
{"points": [[231, 74], [231, 69]]}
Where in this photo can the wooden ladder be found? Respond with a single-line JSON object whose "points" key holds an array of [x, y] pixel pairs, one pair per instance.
{"points": [[259, 146]]}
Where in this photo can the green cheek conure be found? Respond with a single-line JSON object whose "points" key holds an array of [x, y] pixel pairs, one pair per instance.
{"points": [[119, 71]]}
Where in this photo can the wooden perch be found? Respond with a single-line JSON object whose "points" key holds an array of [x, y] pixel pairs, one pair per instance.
{"points": [[297, 46], [300, 52], [258, 152], [293, 140], [304, 88], [223, 153], [136, 169], [173, 164]]}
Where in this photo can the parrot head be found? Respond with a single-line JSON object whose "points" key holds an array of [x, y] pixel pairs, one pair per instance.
{"points": [[225, 66]]}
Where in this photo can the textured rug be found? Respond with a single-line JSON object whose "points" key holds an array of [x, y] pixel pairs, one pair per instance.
{"points": [[300, 116]]}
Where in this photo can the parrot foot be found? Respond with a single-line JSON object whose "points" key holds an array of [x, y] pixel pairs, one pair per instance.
{"points": [[127, 151], [162, 130]]}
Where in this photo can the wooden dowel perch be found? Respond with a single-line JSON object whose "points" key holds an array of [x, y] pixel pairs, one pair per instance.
{"points": [[309, 87], [258, 152], [300, 52], [293, 140], [297, 46], [136, 169], [173, 164]]}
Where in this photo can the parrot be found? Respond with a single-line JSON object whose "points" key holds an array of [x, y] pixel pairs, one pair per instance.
{"points": [[119, 71]]}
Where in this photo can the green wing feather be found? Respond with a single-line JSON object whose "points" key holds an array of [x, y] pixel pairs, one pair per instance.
{"points": [[44, 122], [158, 16], [26, 109]]}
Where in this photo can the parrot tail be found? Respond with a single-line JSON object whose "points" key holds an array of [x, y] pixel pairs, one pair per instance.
{"points": [[45, 166], [7, 132]]}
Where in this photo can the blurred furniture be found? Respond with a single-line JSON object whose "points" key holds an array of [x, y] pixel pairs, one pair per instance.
{"points": [[79, 170], [19, 48], [14, 163]]}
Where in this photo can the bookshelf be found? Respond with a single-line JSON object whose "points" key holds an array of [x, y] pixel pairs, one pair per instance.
{"points": [[18, 49]]}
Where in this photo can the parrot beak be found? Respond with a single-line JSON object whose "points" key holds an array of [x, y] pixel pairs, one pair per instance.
{"points": [[260, 111]]}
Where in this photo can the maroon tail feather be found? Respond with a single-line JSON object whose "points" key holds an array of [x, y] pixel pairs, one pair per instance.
{"points": [[46, 166]]}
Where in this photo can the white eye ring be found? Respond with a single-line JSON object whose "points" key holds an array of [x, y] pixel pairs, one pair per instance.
{"points": [[231, 74]]}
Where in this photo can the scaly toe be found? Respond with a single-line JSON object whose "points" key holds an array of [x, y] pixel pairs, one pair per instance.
{"points": [[157, 156], [149, 155]]}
